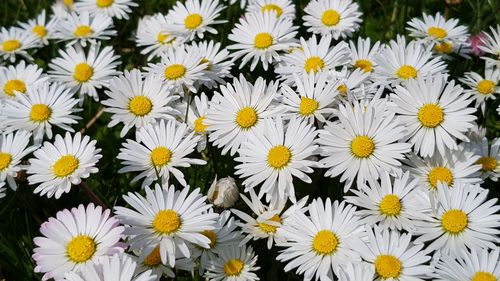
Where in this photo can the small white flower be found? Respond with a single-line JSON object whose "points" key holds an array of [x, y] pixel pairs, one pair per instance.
{"points": [[15, 42], [340, 18], [83, 28], [40, 27], [13, 148], [113, 8], [19, 78], [234, 264]]}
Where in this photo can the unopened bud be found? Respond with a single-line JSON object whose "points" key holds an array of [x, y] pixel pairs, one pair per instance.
{"points": [[223, 193]]}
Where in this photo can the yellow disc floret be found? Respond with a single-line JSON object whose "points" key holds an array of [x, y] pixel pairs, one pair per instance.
{"points": [[387, 266], [325, 242], [140, 105], [436, 32], [273, 8], [233, 267], [5, 159], [406, 72], [81, 248], [314, 63], [104, 3], [166, 222], [246, 117], [390, 205], [193, 21], [14, 85], [267, 228], [431, 115], [65, 166], [11, 45], [278, 157], [454, 221], [307, 106], [440, 174], [487, 163], [83, 31], [40, 112], [160, 156], [486, 87], [175, 71], [83, 72], [330, 18], [263, 40], [362, 146]]}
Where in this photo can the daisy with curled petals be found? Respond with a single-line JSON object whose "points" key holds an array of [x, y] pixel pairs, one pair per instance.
{"points": [[317, 243], [363, 54], [19, 78], [167, 218], [355, 271], [218, 64], [273, 155], [489, 157], [475, 264], [65, 162], [85, 72], [262, 37], [463, 218], [159, 149], [363, 143], [118, 9], [83, 28], [234, 264], [482, 89], [195, 17], [282, 8], [15, 42], [435, 112], [13, 147], [74, 239], [340, 18], [135, 100], [394, 256], [491, 45], [235, 112], [40, 27]]}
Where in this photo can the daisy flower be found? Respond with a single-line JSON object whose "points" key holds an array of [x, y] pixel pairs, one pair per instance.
{"points": [[317, 243], [218, 64], [40, 27], [167, 218], [273, 156], [234, 264], [491, 45], [435, 112], [489, 157], [197, 113], [41, 108], [65, 162], [482, 89], [159, 149], [152, 262], [19, 78], [85, 72], [15, 42], [113, 8], [61, 9], [358, 271], [340, 18], [283, 8], [363, 54], [353, 84], [13, 147], [475, 264], [75, 238], [135, 100], [235, 112], [82, 28], [363, 143], [262, 37]]}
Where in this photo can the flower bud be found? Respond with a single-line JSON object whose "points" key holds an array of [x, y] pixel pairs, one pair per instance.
{"points": [[223, 193]]}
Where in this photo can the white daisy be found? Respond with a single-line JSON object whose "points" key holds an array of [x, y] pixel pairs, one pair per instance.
{"points": [[284, 8], [234, 264], [353, 84], [491, 45], [135, 100], [197, 113], [476, 133], [159, 149], [475, 264], [15, 42], [482, 88], [489, 157], [262, 37], [42, 28], [61, 9], [19, 78], [152, 262], [218, 64], [357, 271], [113, 8], [167, 218], [82, 28], [363, 54], [75, 238], [13, 147], [63, 163]]}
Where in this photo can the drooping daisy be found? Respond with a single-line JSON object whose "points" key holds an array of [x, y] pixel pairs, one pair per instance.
{"points": [[159, 149], [85, 72], [13, 147], [75, 238], [135, 100], [340, 18], [41, 108], [282, 8], [65, 162], [113, 8], [16, 42], [19, 78], [435, 112], [82, 28], [235, 112], [491, 45], [357, 271], [42, 28], [234, 264], [475, 264], [363, 54], [489, 157], [261, 37], [317, 243], [167, 218], [218, 63], [363, 143], [482, 89]]}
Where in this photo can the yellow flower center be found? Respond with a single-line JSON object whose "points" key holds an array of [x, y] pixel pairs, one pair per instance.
{"points": [[210, 234], [246, 117], [387, 266], [162, 38], [330, 18], [274, 8], [279, 157], [436, 32], [175, 71], [81, 248], [486, 87], [483, 276], [83, 72], [233, 267], [431, 115], [342, 89], [161, 156], [68, 3], [406, 72], [140, 105], [440, 174], [153, 259], [104, 3], [166, 222], [5, 159], [267, 228], [40, 31], [390, 205], [307, 106], [314, 63], [14, 85], [83, 31], [208, 63], [444, 47], [65, 166], [11, 45], [362, 146], [488, 163], [40, 112], [199, 127], [364, 65], [454, 221], [263, 40], [325, 242], [193, 21]]}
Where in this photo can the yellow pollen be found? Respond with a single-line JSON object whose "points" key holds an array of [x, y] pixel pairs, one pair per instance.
{"points": [[488, 163], [246, 117], [40, 31], [486, 87], [325, 242], [390, 205], [166, 222], [14, 85], [199, 127], [330, 18], [279, 157], [161, 156], [210, 234], [263, 40], [443, 47], [175, 71], [162, 38], [431, 115], [104, 3], [68, 3], [483, 276], [267, 228], [81, 248], [5, 159], [40, 112], [406, 72], [274, 8], [387, 266], [307, 106], [193, 21], [233, 267], [342, 89], [364, 65], [440, 174], [83, 72], [436, 32], [362, 146], [454, 221], [83, 31], [11, 45], [140, 105], [65, 166], [314, 63], [153, 259]]}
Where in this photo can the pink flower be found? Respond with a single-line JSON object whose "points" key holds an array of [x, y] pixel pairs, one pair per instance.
{"points": [[476, 41]]}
